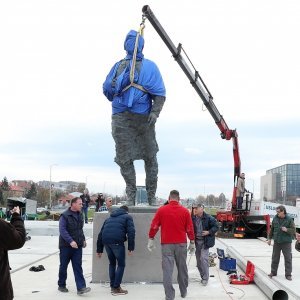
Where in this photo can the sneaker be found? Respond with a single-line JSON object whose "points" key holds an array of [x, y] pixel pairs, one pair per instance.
{"points": [[288, 277], [63, 289], [83, 290], [204, 282], [118, 291]]}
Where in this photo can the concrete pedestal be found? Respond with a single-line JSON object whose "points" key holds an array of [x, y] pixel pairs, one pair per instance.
{"points": [[142, 266]]}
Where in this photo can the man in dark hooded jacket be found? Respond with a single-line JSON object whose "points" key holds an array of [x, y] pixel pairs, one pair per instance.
{"points": [[135, 87], [114, 232], [12, 236]]}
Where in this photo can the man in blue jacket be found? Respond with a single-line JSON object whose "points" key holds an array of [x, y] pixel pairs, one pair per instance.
{"points": [[114, 232], [136, 89], [205, 227]]}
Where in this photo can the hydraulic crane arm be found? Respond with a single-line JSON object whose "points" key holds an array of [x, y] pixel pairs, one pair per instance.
{"points": [[201, 90]]}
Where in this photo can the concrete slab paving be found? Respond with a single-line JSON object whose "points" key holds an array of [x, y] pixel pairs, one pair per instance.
{"points": [[43, 285], [260, 253]]}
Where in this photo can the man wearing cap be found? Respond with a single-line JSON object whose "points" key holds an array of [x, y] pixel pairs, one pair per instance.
{"points": [[205, 227], [176, 223]]}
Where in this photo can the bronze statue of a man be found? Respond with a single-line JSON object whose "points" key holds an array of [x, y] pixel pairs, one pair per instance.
{"points": [[136, 89]]}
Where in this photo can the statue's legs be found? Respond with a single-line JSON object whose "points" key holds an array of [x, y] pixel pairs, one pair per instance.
{"points": [[128, 173], [151, 169]]}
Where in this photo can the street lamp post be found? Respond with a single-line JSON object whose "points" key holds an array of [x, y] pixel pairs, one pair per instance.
{"points": [[50, 188]]}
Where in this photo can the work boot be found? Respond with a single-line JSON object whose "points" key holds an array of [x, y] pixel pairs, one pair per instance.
{"points": [[184, 294], [63, 289], [204, 282], [118, 291], [83, 290]]}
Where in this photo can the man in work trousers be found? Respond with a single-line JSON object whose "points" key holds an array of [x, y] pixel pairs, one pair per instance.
{"points": [[136, 89], [71, 242], [282, 231], [176, 223], [12, 236], [240, 190], [114, 232], [205, 227]]}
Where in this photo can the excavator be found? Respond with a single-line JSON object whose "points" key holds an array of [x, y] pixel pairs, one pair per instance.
{"points": [[233, 222]]}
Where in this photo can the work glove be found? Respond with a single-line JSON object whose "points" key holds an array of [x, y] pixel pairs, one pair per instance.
{"points": [[152, 118], [192, 248], [151, 245]]}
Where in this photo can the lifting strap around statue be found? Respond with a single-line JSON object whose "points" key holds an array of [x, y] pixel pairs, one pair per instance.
{"points": [[132, 69]]}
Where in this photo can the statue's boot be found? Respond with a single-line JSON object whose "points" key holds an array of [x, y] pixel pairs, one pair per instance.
{"points": [[131, 194], [128, 173], [151, 169]]}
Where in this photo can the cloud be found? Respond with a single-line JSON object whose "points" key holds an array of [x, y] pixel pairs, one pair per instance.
{"points": [[192, 151]]}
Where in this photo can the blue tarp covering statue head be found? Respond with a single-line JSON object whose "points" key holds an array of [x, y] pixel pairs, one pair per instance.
{"points": [[136, 90], [129, 44]]}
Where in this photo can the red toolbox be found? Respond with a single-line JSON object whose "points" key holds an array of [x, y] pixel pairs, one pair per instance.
{"points": [[244, 279]]}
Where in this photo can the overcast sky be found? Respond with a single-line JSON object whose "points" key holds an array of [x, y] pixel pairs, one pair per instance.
{"points": [[55, 55]]}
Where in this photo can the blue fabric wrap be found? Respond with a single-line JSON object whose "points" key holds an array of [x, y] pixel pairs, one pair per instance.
{"points": [[149, 77]]}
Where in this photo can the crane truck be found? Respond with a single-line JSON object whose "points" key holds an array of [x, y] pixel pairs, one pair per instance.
{"points": [[233, 221]]}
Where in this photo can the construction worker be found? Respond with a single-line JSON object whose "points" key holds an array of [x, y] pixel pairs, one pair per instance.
{"points": [[176, 223], [137, 92], [240, 190], [205, 227], [282, 231]]}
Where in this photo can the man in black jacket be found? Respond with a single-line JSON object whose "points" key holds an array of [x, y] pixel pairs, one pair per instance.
{"points": [[86, 199], [12, 236], [205, 227], [114, 232], [71, 242]]}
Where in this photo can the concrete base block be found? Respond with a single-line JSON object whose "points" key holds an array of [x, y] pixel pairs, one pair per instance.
{"points": [[142, 266]]}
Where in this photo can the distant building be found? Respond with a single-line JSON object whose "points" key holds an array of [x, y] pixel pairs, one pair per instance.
{"points": [[281, 184], [64, 186], [18, 188], [141, 195]]}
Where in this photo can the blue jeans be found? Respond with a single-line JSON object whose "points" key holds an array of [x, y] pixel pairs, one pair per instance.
{"points": [[239, 202], [66, 255], [85, 212], [116, 254]]}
